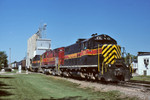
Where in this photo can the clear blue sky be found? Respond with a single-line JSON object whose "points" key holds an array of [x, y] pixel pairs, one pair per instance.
{"points": [[127, 21]]}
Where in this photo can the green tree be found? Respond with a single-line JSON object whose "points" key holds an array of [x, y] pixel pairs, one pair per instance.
{"points": [[3, 59], [129, 58]]}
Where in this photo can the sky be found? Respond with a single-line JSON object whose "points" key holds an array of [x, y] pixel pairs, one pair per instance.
{"points": [[127, 21]]}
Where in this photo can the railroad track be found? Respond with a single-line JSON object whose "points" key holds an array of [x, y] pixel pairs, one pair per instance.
{"points": [[142, 85]]}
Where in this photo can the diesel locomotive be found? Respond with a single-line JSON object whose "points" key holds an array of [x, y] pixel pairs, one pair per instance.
{"points": [[96, 58]]}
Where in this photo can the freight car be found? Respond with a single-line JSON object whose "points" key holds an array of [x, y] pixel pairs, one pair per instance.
{"points": [[36, 61], [22, 63], [97, 58]]}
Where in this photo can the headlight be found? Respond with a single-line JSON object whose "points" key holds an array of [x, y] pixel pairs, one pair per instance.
{"points": [[109, 65]]}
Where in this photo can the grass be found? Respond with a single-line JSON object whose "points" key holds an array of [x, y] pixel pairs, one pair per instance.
{"points": [[141, 78], [42, 87]]}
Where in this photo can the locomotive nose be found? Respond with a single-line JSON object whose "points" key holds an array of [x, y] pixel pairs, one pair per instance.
{"points": [[118, 72]]}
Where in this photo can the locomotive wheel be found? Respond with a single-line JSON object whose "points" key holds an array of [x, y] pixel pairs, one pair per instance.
{"points": [[103, 81]]}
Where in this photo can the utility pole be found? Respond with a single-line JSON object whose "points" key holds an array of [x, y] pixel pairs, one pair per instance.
{"points": [[9, 57]]}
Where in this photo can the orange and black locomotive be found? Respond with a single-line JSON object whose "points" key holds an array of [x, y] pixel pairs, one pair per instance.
{"points": [[97, 58]]}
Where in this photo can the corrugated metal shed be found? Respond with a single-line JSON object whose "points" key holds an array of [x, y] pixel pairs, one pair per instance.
{"points": [[41, 46]]}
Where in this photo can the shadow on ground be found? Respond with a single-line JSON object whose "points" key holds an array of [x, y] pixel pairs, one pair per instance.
{"points": [[7, 77], [4, 87], [66, 98], [4, 93]]}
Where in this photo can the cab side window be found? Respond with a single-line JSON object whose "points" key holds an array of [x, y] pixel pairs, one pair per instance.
{"points": [[84, 46], [90, 45]]}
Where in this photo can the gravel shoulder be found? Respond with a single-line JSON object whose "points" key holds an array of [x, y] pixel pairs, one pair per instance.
{"points": [[125, 91]]}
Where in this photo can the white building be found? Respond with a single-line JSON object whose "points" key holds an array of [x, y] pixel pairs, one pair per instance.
{"points": [[41, 46], [134, 64], [143, 63], [31, 45], [36, 46]]}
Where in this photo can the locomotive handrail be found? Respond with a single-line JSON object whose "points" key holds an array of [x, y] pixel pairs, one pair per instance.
{"points": [[106, 67], [131, 68], [98, 60], [102, 72]]}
